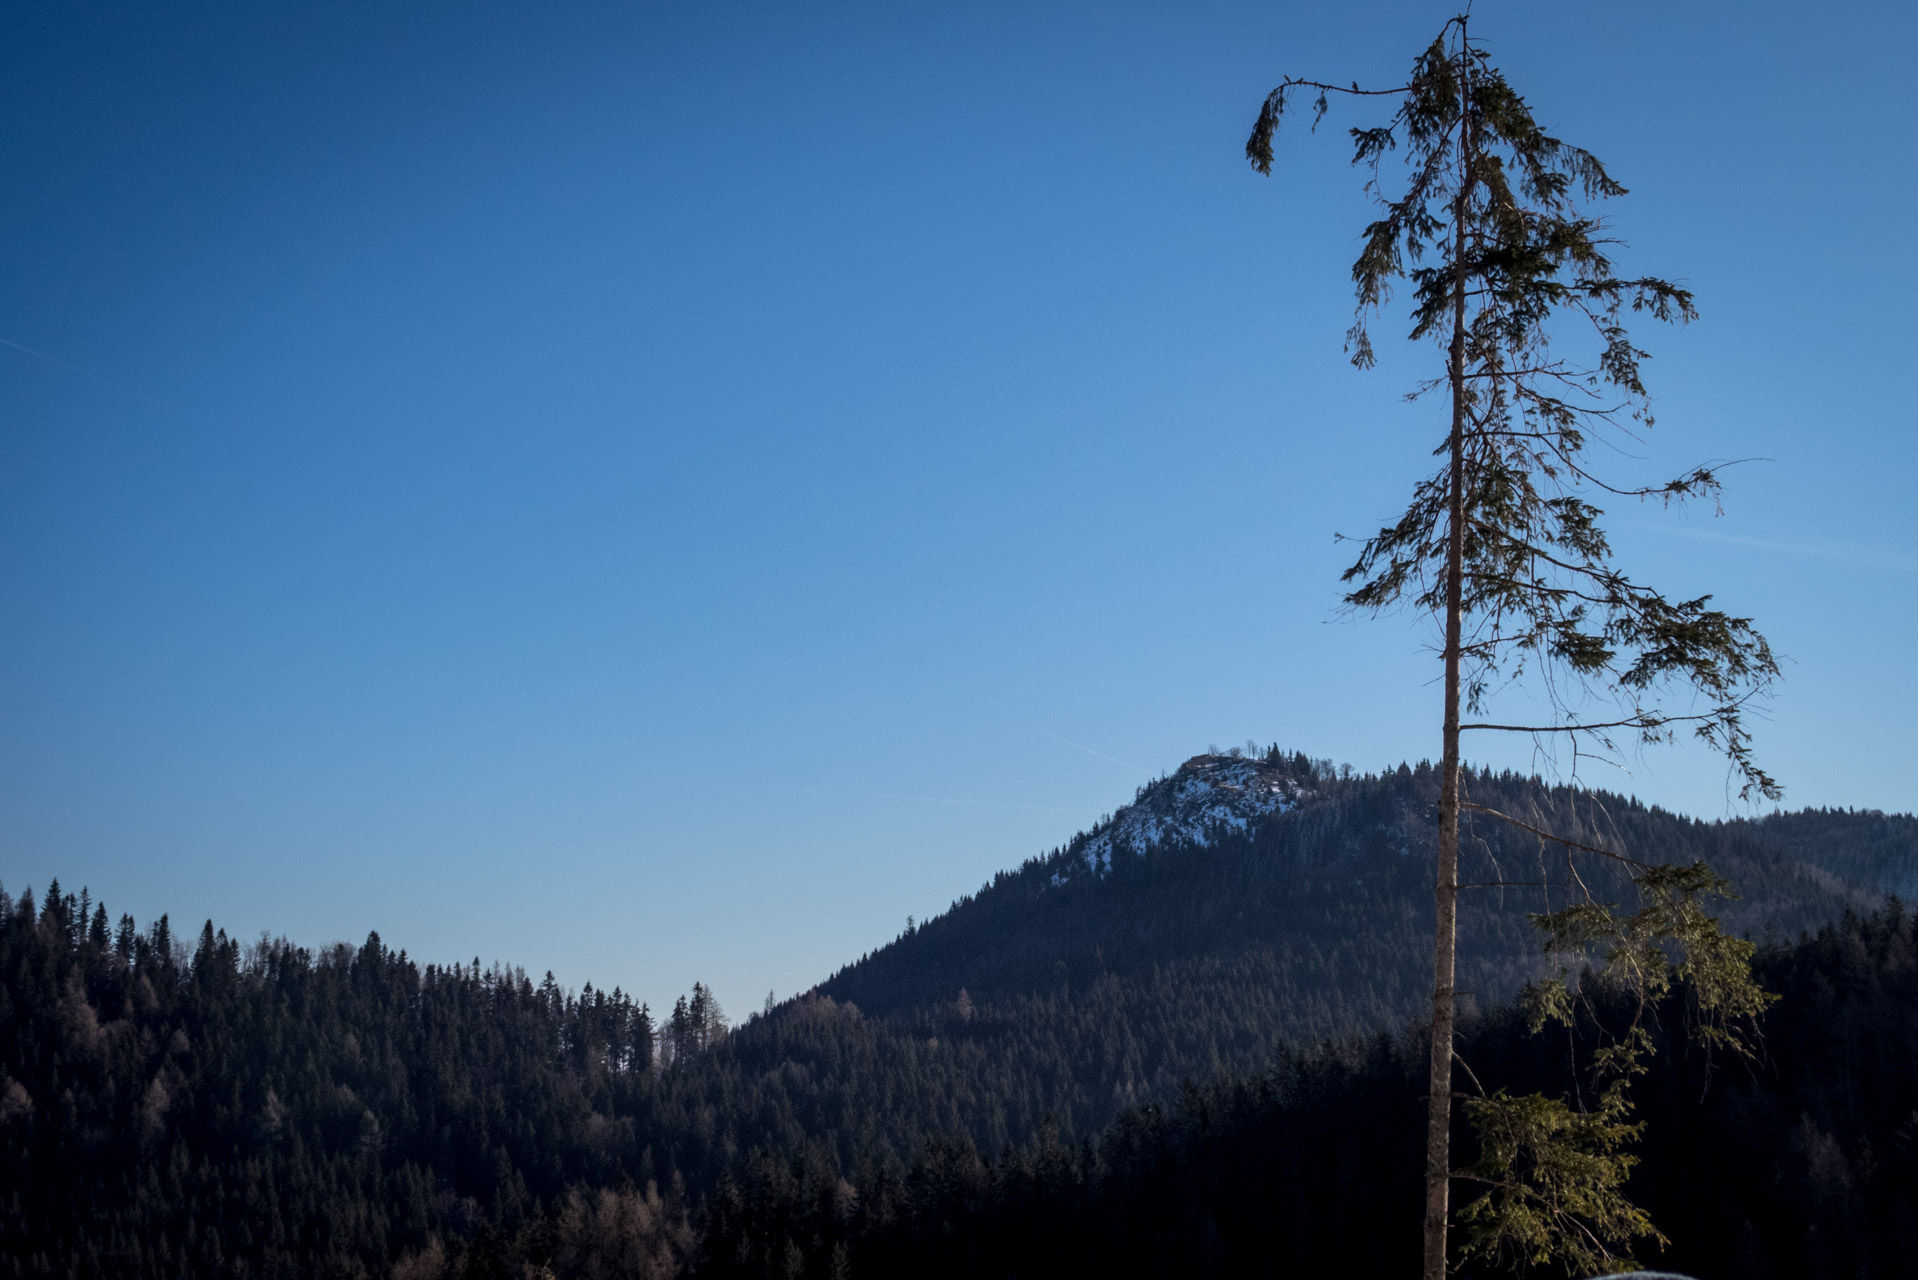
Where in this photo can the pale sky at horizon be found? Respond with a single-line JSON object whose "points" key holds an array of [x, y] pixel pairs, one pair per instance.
{"points": [[662, 492]]}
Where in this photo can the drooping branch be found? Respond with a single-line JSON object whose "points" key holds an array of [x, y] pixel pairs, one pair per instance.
{"points": [[1554, 837], [1491, 232], [1258, 148]]}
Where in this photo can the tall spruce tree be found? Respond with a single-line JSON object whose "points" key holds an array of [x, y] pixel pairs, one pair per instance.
{"points": [[1502, 545], [680, 1045]]}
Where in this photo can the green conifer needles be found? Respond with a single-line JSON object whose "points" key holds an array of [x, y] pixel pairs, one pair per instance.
{"points": [[1554, 1170], [1511, 275], [1556, 1176], [1491, 234]]}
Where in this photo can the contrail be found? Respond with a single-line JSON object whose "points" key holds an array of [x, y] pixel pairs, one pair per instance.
{"points": [[58, 364], [1089, 751], [1825, 549], [114, 384]]}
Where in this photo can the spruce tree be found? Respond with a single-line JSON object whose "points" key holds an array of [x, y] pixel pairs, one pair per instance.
{"points": [[679, 1047], [643, 1039], [1502, 545]]}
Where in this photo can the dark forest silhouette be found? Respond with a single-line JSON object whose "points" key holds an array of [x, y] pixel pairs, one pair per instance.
{"points": [[1201, 1052]]}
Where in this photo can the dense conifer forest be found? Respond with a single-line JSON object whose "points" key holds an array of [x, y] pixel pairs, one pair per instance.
{"points": [[1200, 1052], [1802, 1164]]}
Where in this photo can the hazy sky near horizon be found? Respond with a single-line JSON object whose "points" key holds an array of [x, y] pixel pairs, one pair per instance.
{"points": [[662, 492]]}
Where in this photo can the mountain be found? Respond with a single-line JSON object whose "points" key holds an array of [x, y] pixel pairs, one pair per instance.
{"points": [[1799, 1165], [1323, 878], [1241, 904], [1209, 798], [168, 1111]]}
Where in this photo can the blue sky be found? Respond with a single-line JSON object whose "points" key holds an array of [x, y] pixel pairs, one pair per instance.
{"points": [[662, 492]]}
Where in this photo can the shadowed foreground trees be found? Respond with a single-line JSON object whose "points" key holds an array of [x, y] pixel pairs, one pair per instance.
{"points": [[270, 1110], [1801, 1165]]}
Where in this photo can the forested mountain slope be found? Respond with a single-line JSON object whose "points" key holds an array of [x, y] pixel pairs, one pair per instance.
{"points": [[1319, 883], [1801, 1165], [214, 1110], [1235, 906], [1863, 847]]}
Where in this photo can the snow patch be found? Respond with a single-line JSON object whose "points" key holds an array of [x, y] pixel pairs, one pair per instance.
{"points": [[1209, 797]]}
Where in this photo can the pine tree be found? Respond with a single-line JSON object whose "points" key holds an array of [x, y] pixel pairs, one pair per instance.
{"points": [[679, 1040], [643, 1039], [162, 941], [1503, 547], [53, 912]]}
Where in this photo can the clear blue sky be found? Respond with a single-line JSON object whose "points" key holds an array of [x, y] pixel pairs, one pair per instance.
{"points": [[666, 491]]}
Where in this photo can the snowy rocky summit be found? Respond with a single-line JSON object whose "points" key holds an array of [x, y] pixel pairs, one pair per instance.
{"points": [[1208, 797]]}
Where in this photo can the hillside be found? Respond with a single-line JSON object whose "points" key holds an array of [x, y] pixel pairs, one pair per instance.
{"points": [[1283, 862], [1236, 907], [1802, 1165]]}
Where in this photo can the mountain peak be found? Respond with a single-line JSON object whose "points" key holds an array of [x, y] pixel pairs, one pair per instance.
{"points": [[1208, 797]]}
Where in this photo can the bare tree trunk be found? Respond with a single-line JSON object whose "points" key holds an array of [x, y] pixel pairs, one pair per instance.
{"points": [[1438, 1134]]}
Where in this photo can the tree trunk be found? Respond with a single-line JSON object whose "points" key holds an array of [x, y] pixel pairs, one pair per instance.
{"points": [[1438, 1134]]}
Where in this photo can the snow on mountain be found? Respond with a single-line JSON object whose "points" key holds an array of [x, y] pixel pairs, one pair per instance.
{"points": [[1209, 796]]}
